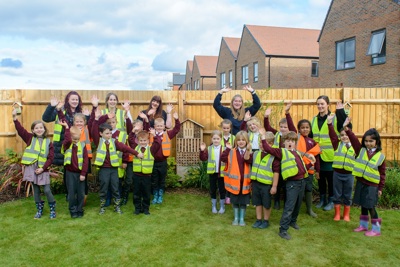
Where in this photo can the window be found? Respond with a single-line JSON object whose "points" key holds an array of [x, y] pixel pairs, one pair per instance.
{"points": [[230, 79], [189, 87], [345, 54], [377, 47], [245, 74], [314, 69], [222, 76], [255, 71]]}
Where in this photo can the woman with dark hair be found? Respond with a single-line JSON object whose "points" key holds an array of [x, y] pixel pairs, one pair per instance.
{"points": [[235, 113], [155, 110], [71, 105], [320, 134]]}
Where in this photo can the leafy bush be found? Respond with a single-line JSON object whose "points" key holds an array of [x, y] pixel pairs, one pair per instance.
{"points": [[172, 180], [391, 192], [12, 173], [197, 176]]}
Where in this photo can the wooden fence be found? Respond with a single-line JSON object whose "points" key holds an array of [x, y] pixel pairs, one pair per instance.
{"points": [[371, 107]]}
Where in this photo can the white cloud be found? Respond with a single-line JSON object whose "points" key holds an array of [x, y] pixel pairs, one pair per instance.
{"points": [[91, 44]]}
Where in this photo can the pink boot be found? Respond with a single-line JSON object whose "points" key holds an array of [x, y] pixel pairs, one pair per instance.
{"points": [[227, 200], [376, 228], [364, 219]]}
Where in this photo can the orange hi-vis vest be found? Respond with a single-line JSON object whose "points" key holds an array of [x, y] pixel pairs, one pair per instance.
{"points": [[166, 144], [86, 139], [232, 175], [302, 147]]}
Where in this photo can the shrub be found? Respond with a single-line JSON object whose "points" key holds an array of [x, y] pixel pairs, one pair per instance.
{"points": [[197, 176], [172, 180], [391, 192]]}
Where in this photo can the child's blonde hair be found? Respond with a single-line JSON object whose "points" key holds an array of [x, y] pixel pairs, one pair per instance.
{"points": [[137, 121], [80, 115], [143, 135], [75, 130], [159, 121], [241, 135], [254, 120], [216, 132], [269, 137]]}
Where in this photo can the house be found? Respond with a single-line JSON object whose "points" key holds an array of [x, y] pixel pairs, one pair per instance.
{"points": [[277, 57], [178, 80], [227, 59], [188, 76], [359, 44], [203, 74]]}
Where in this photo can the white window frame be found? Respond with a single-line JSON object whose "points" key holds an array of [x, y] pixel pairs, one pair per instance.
{"points": [[230, 79], [245, 74], [222, 80], [255, 72]]}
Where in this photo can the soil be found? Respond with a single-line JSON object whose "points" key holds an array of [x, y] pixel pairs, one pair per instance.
{"points": [[9, 195]]}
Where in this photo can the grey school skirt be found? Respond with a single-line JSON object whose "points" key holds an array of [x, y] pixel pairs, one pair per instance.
{"points": [[365, 195]]}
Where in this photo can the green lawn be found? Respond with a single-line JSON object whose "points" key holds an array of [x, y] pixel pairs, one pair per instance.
{"points": [[184, 232]]}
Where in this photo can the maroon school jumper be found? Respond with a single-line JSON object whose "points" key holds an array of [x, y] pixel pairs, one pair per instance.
{"points": [[74, 165]]}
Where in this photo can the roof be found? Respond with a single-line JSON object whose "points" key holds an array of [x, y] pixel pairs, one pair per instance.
{"points": [[281, 41], [178, 79], [195, 122], [206, 65], [326, 17], [232, 44], [189, 66]]}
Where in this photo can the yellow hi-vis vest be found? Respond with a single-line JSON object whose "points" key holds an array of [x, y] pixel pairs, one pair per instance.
{"points": [[122, 139], [68, 154], [323, 139], [368, 168], [288, 164], [120, 118], [144, 165], [34, 152], [261, 169], [102, 151], [344, 158], [277, 140], [57, 130], [211, 162]]}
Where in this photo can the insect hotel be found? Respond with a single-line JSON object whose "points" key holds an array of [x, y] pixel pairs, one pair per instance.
{"points": [[188, 143]]}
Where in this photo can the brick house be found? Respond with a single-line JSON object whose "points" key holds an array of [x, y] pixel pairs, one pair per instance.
{"points": [[227, 59], [277, 57], [359, 44], [178, 80], [203, 73]]}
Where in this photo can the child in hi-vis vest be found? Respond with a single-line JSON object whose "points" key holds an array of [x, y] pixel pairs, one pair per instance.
{"points": [[370, 172], [142, 169], [237, 175], [76, 164], [37, 157], [227, 137], [215, 170]]}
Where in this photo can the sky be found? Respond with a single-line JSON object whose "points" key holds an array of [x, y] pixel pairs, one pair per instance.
{"points": [[125, 44]]}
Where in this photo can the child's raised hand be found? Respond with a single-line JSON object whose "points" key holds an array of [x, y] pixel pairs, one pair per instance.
{"points": [[203, 146], [151, 112], [311, 158], [60, 105], [140, 155], [228, 145], [170, 107], [330, 117], [111, 115], [143, 116], [248, 88], [176, 116], [152, 131], [54, 101], [126, 105], [262, 131], [63, 123], [14, 112], [247, 116], [95, 101], [268, 112], [346, 122], [85, 111], [288, 106], [249, 148], [339, 105], [224, 90]]}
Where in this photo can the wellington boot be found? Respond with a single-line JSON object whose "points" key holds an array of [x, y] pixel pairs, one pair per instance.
{"points": [[221, 206], [52, 210], [329, 206], [39, 207], [155, 196], [346, 213], [214, 206], [376, 228], [160, 198], [236, 216], [364, 221], [322, 201], [309, 205], [337, 212], [242, 214], [117, 206]]}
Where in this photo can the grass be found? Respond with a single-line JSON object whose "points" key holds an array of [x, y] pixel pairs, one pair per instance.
{"points": [[184, 232]]}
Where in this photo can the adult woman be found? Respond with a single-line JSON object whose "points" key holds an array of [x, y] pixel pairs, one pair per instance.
{"points": [[111, 107], [155, 110], [237, 110], [72, 105], [320, 133]]}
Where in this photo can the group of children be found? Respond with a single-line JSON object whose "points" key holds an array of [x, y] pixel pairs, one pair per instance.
{"points": [[258, 161], [142, 154]]}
